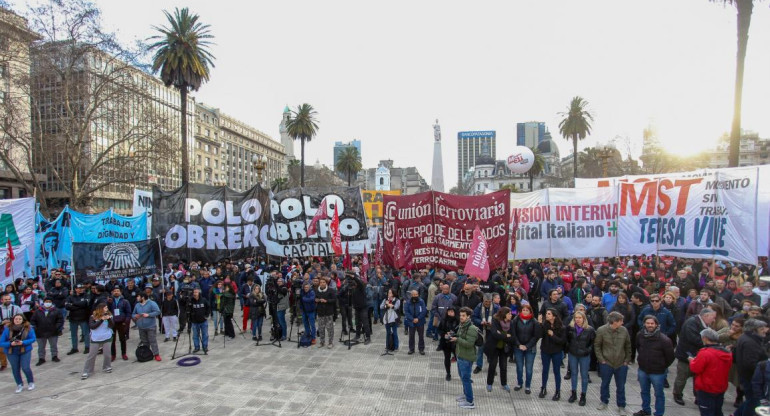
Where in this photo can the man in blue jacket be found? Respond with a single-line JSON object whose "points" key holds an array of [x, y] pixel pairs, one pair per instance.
{"points": [[665, 319], [121, 313], [415, 312], [308, 310], [145, 312]]}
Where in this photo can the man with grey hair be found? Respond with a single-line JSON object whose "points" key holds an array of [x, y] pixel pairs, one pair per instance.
{"points": [[749, 350], [689, 344], [482, 319], [711, 368], [613, 353]]}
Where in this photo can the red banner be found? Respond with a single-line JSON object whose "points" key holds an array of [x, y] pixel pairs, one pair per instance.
{"points": [[439, 227]]}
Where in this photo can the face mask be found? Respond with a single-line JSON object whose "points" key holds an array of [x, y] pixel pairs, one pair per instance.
{"points": [[47, 305], [745, 308], [415, 300]]}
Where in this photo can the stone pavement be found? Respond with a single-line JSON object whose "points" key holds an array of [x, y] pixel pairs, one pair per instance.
{"points": [[238, 378]]}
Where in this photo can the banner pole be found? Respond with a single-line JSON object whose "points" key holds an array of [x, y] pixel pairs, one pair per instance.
{"points": [[160, 267]]}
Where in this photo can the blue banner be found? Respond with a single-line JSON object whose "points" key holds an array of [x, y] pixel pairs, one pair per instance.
{"points": [[54, 239]]}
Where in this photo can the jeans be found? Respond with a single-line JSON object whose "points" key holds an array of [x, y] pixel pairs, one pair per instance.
{"points": [[219, 322], [256, 326], [420, 331], [750, 402], [19, 363], [74, 333], [391, 340], [656, 380], [376, 312], [63, 312], [581, 364], [606, 372], [710, 404], [308, 319], [431, 329], [201, 330], [464, 369], [480, 356], [554, 360], [147, 337], [282, 322], [524, 359]]}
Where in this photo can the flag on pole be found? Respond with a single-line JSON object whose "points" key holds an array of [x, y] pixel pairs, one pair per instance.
{"points": [[9, 258], [515, 217], [335, 230], [478, 259], [378, 251], [320, 214], [365, 264]]}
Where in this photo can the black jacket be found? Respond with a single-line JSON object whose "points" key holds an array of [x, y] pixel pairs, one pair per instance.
{"points": [[496, 334], [689, 339], [58, 296], [359, 295], [559, 306], [257, 307], [46, 325], [748, 352], [552, 343], [169, 307], [598, 316], [526, 332], [79, 307], [328, 308], [654, 353], [580, 345], [200, 310], [469, 301]]}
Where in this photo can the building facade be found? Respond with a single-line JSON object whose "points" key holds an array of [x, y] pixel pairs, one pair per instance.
{"points": [[531, 133], [753, 151], [339, 147], [225, 148], [385, 177], [469, 148]]}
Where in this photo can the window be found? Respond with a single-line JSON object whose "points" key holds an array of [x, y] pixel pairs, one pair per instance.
{"points": [[382, 181], [207, 148], [208, 162]]}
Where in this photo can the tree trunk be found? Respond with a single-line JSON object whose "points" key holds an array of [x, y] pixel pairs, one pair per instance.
{"points": [[185, 156], [348, 177], [574, 160], [745, 8], [531, 180], [302, 162]]}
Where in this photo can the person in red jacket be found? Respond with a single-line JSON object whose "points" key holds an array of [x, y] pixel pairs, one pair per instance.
{"points": [[711, 367]]}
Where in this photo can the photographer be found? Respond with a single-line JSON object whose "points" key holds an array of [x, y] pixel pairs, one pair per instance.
{"points": [[199, 315], [101, 325], [346, 312], [358, 297], [185, 294], [282, 295]]}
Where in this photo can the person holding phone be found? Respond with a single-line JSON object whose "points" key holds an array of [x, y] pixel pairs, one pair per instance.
{"points": [[17, 339], [101, 324]]}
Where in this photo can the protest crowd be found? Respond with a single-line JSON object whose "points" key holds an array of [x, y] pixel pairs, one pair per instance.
{"points": [[589, 320]]}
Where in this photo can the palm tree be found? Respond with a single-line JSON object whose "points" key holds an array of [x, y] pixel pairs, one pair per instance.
{"points": [[576, 125], [302, 125], [537, 166], [183, 58], [349, 161], [279, 184], [744, 8]]}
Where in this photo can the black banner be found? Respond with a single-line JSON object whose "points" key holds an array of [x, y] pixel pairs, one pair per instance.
{"points": [[96, 262], [209, 223], [292, 210]]}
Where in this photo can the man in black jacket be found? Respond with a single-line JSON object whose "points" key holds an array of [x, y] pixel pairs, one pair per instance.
{"points": [[749, 351], [47, 320], [554, 302], [469, 298], [199, 314], [361, 308], [655, 354], [325, 298], [58, 294], [689, 343], [78, 307]]}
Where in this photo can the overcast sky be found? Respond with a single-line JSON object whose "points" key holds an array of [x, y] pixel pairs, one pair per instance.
{"points": [[383, 72]]}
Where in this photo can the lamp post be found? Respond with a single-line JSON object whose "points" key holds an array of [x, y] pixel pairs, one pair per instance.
{"points": [[259, 163], [605, 153]]}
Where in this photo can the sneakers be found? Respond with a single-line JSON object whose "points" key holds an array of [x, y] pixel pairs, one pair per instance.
{"points": [[460, 398], [642, 413], [157, 358], [312, 342], [55, 359], [19, 388], [31, 386], [125, 357], [321, 345], [422, 352], [622, 411], [489, 388], [602, 406], [330, 346], [466, 405], [517, 388], [196, 350], [108, 370], [254, 339], [84, 376], [40, 362], [448, 377]]}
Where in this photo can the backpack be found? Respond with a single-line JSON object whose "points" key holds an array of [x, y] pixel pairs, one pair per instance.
{"points": [[479, 338], [144, 353], [305, 340]]}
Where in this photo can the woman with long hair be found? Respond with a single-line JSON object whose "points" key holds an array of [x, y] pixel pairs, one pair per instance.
{"points": [[552, 351], [215, 300], [720, 322], [17, 339], [257, 303], [669, 302], [101, 325], [390, 307], [446, 328], [227, 304], [623, 307], [527, 331], [580, 338], [498, 342]]}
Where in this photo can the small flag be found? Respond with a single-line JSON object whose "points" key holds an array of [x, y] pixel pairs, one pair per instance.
{"points": [[335, 230], [9, 258], [478, 259], [365, 264], [378, 251], [346, 263], [320, 214]]}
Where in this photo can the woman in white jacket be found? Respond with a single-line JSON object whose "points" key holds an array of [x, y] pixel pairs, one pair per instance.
{"points": [[390, 307]]}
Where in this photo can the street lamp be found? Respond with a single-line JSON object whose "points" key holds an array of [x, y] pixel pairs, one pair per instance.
{"points": [[259, 162], [605, 153]]}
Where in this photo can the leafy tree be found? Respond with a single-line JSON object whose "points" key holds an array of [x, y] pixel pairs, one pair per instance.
{"points": [[183, 59], [576, 125], [302, 126], [349, 162]]}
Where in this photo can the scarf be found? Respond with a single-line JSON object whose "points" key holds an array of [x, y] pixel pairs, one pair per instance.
{"points": [[648, 334], [526, 315], [578, 330]]}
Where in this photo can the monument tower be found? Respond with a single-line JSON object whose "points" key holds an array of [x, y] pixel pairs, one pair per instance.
{"points": [[437, 180]]}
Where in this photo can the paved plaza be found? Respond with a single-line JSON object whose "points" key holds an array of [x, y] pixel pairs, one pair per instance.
{"points": [[241, 379]]}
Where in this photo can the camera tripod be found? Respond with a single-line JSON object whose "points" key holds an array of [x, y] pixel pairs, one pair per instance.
{"points": [[183, 331], [275, 329], [351, 342], [235, 325], [295, 317]]}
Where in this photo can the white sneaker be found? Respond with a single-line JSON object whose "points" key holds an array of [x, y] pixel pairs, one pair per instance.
{"points": [[19, 388], [602, 406], [622, 411], [460, 398], [466, 405], [84, 376], [31, 386]]}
